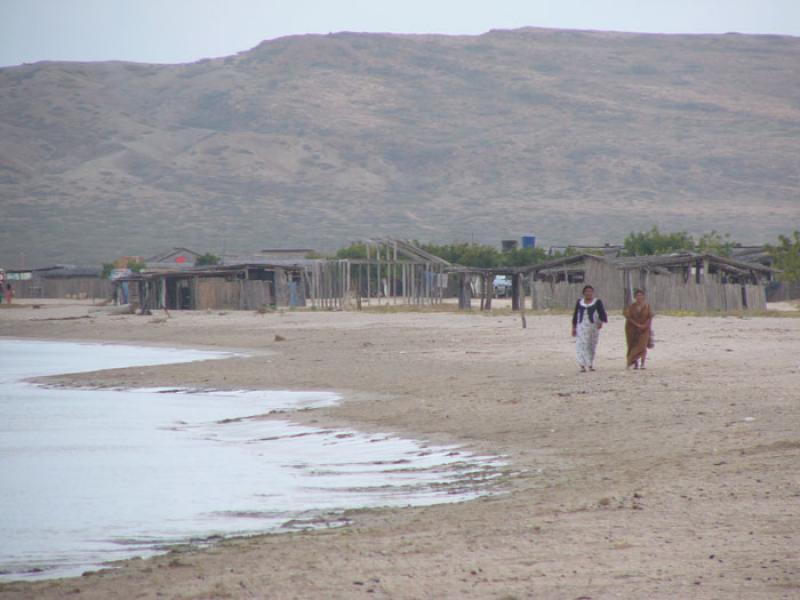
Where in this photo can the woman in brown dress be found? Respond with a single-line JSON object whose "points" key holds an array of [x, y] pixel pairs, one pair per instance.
{"points": [[638, 319]]}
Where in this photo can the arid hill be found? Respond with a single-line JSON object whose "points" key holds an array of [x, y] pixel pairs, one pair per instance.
{"points": [[315, 140]]}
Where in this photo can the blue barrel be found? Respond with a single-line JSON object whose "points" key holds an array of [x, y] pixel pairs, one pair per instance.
{"points": [[529, 241]]}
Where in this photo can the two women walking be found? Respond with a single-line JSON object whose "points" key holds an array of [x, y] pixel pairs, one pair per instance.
{"points": [[588, 319]]}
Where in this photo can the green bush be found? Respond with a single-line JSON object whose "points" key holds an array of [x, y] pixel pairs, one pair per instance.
{"points": [[787, 257]]}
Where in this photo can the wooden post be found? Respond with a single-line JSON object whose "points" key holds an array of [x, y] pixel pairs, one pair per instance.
{"points": [[323, 285], [420, 283], [404, 281], [394, 274], [342, 274], [147, 301], [319, 291], [317, 285], [369, 275], [360, 285], [308, 280], [516, 290], [628, 283], [335, 286], [347, 283], [378, 273], [392, 281], [426, 274], [166, 296], [464, 297]]}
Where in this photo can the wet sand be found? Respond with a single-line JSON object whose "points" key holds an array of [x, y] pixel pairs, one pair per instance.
{"points": [[681, 481]]}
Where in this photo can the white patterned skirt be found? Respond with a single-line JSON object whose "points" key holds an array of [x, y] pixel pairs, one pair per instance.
{"points": [[586, 339]]}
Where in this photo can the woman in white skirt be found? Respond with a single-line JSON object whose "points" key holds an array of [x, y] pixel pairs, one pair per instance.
{"points": [[587, 321]]}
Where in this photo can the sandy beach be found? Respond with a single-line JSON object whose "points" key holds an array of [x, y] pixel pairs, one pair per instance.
{"points": [[680, 481]]}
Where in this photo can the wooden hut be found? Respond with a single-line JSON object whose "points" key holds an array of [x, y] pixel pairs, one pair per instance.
{"points": [[175, 258], [608, 250], [777, 291], [26, 282], [232, 287], [682, 281], [60, 281]]}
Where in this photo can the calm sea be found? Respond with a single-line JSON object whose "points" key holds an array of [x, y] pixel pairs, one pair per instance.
{"points": [[90, 476]]}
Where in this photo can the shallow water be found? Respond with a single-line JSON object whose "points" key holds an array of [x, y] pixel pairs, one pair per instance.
{"points": [[90, 476]]}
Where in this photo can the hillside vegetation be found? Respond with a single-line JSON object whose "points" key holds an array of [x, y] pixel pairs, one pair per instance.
{"points": [[578, 137]]}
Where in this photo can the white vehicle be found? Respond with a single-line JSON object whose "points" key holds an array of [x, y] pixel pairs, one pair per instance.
{"points": [[502, 286]]}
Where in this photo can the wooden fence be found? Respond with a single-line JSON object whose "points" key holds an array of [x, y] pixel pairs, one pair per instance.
{"points": [[780, 291], [216, 293], [349, 283], [664, 292], [62, 287], [328, 284], [248, 294]]}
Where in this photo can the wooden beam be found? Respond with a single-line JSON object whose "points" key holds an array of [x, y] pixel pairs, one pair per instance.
{"points": [[628, 284]]}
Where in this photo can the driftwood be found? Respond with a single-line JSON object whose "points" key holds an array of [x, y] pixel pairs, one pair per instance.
{"points": [[64, 318], [125, 309]]}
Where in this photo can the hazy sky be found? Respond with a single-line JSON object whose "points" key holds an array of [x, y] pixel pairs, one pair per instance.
{"points": [[166, 31]]}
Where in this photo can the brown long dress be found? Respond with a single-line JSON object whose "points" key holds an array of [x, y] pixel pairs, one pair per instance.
{"points": [[637, 337]]}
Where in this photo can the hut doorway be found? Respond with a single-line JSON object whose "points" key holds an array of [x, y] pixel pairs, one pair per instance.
{"points": [[179, 293], [184, 296], [171, 297]]}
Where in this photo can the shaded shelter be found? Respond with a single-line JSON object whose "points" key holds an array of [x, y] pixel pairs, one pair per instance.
{"points": [[60, 281], [682, 281]]}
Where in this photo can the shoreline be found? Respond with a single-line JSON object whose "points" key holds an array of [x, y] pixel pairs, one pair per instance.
{"points": [[632, 480], [458, 480]]}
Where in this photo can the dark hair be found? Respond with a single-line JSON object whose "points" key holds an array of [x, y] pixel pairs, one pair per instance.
{"points": [[638, 291], [587, 287]]}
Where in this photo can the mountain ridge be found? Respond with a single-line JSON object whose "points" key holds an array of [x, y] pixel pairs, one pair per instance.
{"points": [[315, 140]]}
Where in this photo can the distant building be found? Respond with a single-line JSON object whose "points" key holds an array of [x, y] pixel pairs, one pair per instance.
{"points": [[508, 245], [125, 262], [608, 250], [680, 281], [245, 286], [777, 291], [60, 281], [176, 258], [286, 253]]}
